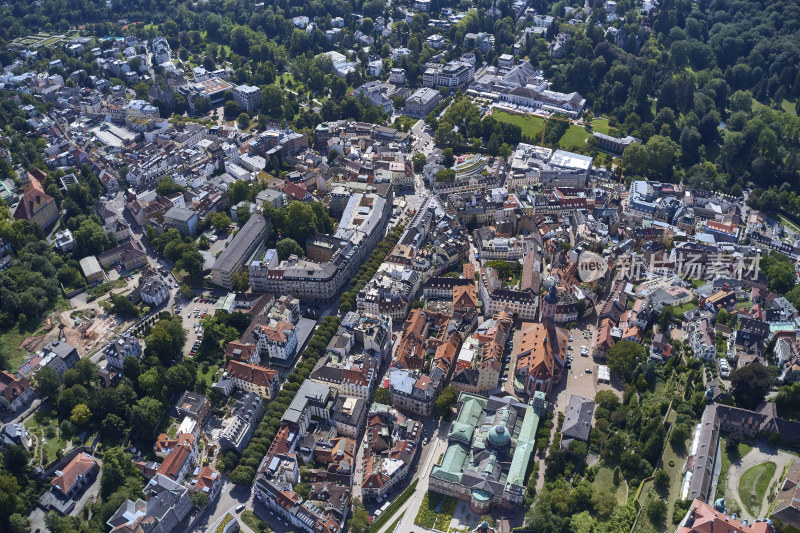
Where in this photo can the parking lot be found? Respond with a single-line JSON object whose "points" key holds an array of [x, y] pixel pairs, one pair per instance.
{"points": [[581, 378], [191, 313]]}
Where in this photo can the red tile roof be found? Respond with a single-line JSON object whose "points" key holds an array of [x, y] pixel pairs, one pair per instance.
{"points": [[205, 479], [245, 350], [257, 375], [79, 466], [705, 519], [175, 461]]}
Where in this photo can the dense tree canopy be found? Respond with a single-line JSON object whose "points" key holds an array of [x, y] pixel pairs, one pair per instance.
{"points": [[751, 384]]}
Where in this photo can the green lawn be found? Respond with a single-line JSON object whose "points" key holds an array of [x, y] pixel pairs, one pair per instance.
{"points": [[12, 340], [255, 523], [604, 482], [52, 446], [753, 486], [786, 106], [728, 457], [531, 125], [600, 125], [394, 525], [786, 222], [99, 290], [672, 462], [427, 516], [575, 137], [209, 377], [680, 309], [406, 121], [644, 524]]}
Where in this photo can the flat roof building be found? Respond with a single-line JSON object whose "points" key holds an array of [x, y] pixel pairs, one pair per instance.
{"points": [[423, 101], [248, 97], [247, 243], [182, 219], [92, 270]]}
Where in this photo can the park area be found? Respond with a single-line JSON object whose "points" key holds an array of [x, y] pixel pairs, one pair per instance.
{"points": [[531, 125], [574, 138], [36, 41]]}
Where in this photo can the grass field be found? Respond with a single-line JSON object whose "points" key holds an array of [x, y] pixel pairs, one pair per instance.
{"points": [[406, 121], [604, 482], [394, 525], [575, 137], [600, 125], [789, 223], [680, 309], [99, 290], [531, 125], [786, 106], [753, 486], [209, 376], [12, 340]]}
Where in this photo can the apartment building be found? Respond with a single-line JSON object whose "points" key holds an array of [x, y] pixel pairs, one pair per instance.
{"points": [[253, 378], [422, 102], [237, 430], [182, 219], [119, 349], [277, 340], [248, 97], [361, 228], [248, 243], [453, 76]]}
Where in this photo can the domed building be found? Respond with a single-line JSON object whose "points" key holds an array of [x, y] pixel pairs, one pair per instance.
{"points": [[490, 447], [499, 437]]}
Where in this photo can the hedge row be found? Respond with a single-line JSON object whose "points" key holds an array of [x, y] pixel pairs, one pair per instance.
{"points": [[347, 301], [252, 456]]}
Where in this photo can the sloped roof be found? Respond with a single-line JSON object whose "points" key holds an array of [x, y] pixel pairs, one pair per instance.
{"points": [[79, 466]]}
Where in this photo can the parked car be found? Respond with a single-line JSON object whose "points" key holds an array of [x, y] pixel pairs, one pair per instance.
{"points": [[588, 370]]}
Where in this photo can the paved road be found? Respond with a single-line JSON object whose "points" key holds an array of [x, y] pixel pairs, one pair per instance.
{"points": [[763, 452], [408, 511], [230, 496], [424, 141]]}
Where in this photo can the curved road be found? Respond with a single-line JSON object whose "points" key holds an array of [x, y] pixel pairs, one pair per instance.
{"points": [[763, 452]]}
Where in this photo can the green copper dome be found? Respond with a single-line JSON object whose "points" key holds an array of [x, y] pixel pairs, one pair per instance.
{"points": [[499, 436]]}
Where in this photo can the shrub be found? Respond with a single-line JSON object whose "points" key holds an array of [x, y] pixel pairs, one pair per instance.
{"points": [[657, 511]]}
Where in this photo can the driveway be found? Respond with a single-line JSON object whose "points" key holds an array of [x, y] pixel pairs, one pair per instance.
{"points": [[761, 453]]}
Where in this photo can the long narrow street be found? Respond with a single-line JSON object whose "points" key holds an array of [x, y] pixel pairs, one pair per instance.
{"points": [[408, 511]]}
